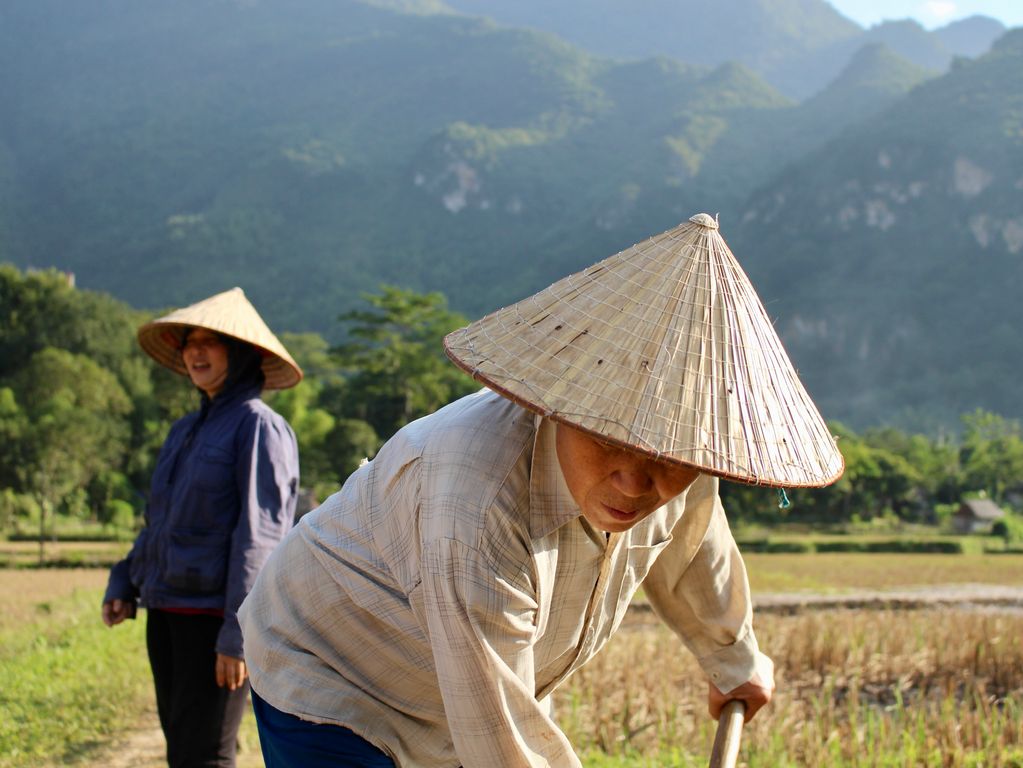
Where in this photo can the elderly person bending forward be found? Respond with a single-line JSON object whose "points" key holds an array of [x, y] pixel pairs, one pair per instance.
{"points": [[424, 614]]}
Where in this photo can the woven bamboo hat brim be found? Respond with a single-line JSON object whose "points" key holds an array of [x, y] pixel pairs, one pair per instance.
{"points": [[231, 314], [663, 348]]}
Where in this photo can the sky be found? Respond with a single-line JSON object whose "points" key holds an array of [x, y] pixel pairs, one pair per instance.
{"points": [[930, 13]]}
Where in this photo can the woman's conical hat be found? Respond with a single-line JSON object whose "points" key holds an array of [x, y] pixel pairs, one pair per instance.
{"points": [[231, 314], [663, 348]]}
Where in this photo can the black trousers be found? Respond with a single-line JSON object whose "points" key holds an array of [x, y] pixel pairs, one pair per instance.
{"points": [[199, 719]]}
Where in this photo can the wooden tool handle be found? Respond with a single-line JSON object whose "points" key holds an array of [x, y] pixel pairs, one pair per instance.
{"points": [[726, 741]]}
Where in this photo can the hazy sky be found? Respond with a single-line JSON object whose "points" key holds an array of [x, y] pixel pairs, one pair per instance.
{"points": [[930, 13]]}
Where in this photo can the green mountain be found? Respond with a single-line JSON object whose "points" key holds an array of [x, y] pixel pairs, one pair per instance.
{"points": [[912, 41], [768, 36], [874, 77], [971, 36], [310, 151], [758, 146], [893, 253], [759, 31], [796, 45]]}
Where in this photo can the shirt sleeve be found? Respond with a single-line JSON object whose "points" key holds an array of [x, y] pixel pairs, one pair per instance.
{"points": [[482, 632], [267, 476], [704, 597], [119, 586]]}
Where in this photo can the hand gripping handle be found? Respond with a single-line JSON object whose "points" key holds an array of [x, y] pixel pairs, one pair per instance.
{"points": [[726, 741]]}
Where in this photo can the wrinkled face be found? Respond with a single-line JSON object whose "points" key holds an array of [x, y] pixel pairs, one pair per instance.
{"points": [[205, 357], [616, 488]]}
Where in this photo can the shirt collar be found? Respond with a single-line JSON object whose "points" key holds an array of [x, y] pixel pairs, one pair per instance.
{"points": [[550, 502], [234, 395]]}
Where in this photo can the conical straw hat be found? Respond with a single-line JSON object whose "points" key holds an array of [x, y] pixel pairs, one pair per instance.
{"points": [[663, 348], [231, 314]]}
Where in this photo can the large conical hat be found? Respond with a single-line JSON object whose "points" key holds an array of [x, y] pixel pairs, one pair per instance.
{"points": [[663, 348], [231, 314]]}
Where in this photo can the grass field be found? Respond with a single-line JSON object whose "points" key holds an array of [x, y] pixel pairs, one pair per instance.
{"points": [[856, 688], [838, 572], [99, 554], [68, 684]]}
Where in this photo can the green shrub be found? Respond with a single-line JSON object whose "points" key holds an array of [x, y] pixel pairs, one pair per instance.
{"points": [[794, 547], [767, 546], [120, 515], [753, 545], [16, 509], [83, 534], [937, 546], [1009, 529], [1006, 550], [853, 545]]}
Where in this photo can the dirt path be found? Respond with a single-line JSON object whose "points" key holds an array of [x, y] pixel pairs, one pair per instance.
{"points": [[140, 745], [960, 596], [950, 595]]}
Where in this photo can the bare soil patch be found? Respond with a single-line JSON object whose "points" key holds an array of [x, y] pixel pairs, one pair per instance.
{"points": [[140, 745]]}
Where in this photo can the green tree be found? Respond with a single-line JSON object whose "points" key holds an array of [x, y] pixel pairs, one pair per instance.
{"points": [[44, 309], [347, 444], [746, 504], [40, 310], [877, 480], [309, 411], [992, 454], [312, 425], [107, 493], [13, 424], [166, 398], [74, 426], [395, 360], [1009, 529]]}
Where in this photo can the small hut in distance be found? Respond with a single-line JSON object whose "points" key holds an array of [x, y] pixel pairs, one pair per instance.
{"points": [[977, 516]]}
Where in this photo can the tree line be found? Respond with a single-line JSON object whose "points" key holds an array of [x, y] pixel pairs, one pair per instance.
{"points": [[83, 412]]}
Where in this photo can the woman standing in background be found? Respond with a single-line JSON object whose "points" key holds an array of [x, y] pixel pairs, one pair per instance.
{"points": [[223, 495]]}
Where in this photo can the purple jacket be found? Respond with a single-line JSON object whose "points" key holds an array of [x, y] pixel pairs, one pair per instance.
{"points": [[223, 495]]}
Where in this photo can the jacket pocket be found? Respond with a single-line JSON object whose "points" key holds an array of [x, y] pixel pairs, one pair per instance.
{"points": [[196, 560], [214, 469]]}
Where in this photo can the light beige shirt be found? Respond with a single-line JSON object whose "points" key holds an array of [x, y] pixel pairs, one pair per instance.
{"points": [[434, 603]]}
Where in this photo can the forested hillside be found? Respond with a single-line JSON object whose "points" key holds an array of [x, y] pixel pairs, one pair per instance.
{"points": [[83, 412], [896, 251], [311, 151], [311, 156]]}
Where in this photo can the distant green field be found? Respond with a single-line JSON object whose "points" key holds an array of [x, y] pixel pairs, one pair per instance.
{"points": [[71, 554], [845, 571]]}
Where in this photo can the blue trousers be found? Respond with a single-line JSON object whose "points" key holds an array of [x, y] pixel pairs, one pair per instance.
{"points": [[289, 742]]}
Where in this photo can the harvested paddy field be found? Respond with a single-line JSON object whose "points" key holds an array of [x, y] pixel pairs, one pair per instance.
{"points": [[855, 688]]}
